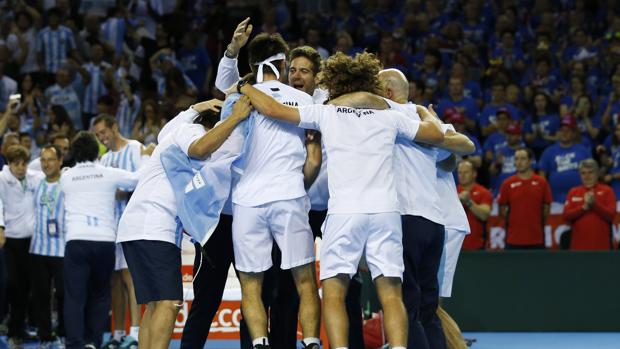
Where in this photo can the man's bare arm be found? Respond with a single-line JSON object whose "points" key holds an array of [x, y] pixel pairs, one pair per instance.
{"points": [[362, 100], [268, 106], [313, 157], [457, 143]]}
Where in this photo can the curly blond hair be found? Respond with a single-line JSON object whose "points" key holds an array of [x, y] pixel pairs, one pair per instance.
{"points": [[341, 74]]}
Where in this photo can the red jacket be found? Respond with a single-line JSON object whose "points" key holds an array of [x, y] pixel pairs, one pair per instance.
{"points": [[591, 229], [479, 195]]}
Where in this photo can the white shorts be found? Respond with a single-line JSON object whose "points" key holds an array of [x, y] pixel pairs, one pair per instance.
{"points": [[120, 263], [347, 236], [255, 229], [449, 257]]}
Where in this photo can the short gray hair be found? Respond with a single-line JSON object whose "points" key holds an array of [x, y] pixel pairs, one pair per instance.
{"points": [[589, 164]]}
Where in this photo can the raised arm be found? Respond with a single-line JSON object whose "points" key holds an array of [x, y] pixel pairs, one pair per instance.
{"points": [[268, 106], [227, 70], [212, 140]]}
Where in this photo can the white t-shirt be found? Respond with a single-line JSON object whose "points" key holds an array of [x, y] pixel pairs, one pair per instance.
{"points": [[275, 153], [1, 213], [415, 173], [452, 210], [360, 147], [18, 199], [152, 209], [90, 190]]}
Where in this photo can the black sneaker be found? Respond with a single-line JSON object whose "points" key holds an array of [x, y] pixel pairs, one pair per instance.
{"points": [[261, 346], [311, 345]]}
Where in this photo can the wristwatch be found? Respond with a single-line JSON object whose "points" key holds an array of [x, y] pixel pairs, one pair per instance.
{"points": [[240, 84]]}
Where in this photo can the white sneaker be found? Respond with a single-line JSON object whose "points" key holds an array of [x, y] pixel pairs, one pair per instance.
{"points": [[45, 345]]}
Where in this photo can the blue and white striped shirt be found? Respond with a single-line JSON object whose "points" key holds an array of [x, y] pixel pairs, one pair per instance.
{"points": [[55, 45], [95, 87], [114, 33], [160, 80], [128, 158], [127, 113], [68, 99], [49, 205]]}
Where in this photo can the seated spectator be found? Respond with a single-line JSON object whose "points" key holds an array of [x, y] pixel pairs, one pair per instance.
{"points": [[541, 127], [488, 117], [511, 56], [497, 139], [456, 99], [590, 209], [503, 165], [559, 163], [59, 121], [569, 99], [457, 119], [524, 201], [477, 201], [542, 77], [588, 123], [147, 126]]}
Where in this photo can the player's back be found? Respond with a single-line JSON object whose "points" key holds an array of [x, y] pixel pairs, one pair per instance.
{"points": [[275, 153]]}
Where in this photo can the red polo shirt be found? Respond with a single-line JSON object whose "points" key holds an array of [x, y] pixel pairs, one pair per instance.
{"points": [[591, 229], [479, 195], [525, 199]]}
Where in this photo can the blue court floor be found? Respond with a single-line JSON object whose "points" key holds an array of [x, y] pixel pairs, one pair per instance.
{"points": [[493, 340]]}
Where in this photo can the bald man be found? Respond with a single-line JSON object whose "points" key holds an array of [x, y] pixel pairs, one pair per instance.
{"points": [[415, 173]]}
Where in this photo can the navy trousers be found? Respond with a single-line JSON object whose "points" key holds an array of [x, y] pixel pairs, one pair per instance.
{"points": [[88, 267], [422, 245]]}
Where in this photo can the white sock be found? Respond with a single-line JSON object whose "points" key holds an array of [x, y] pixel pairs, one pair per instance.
{"points": [[260, 340], [342, 348], [134, 331], [311, 340], [399, 348], [119, 334]]}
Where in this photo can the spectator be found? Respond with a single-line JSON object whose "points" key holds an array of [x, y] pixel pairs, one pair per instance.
{"points": [[524, 201], [147, 127], [8, 87], [497, 139], [195, 62], [163, 62], [590, 208], [488, 117], [55, 43], [587, 122], [25, 46], [17, 186], [129, 106], [9, 139], [63, 94], [542, 125], [457, 119], [93, 80], [113, 29], [504, 164], [61, 142], [610, 106], [59, 121], [31, 109], [477, 201], [457, 99], [559, 163]]}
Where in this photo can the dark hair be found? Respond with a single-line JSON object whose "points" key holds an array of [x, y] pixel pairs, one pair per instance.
{"points": [[61, 117], [24, 14], [54, 11], [56, 149], [207, 118], [53, 137], [530, 152], [85, 147], [109, 120], [435, 53], [310, 53], [473, 166], [264, 46], [548, 108], [175, 82], [16, 153], [24, 134]]}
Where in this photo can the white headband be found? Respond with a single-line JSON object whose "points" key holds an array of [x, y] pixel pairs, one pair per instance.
{"points": [[267, 62]]}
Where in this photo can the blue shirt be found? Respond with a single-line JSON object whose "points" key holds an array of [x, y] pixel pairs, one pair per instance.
{"points": [[195, 64], [547, 124], [466, 105], [487, 116], [95, 87], [561, 166], [508, 168], [113, 31], [127, 113], [494, 142], [615, 184], [67, 98], [55, 45]]}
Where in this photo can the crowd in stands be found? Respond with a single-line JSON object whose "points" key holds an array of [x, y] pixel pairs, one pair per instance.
{"points": [[538, 73]]}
